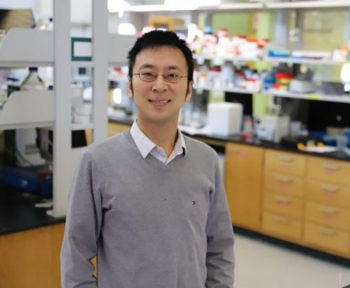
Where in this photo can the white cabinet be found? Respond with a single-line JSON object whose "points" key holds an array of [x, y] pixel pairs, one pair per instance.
{"points": [[29, 47], [21, 110], [23, 47]]}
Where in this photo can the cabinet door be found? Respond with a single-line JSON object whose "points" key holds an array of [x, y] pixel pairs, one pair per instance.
{"points": [[243, 180], [31, 258], [26, 258], [57, 232]]}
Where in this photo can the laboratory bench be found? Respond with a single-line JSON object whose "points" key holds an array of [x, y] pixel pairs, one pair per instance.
{"points": [[30, 242], [296, 197]]}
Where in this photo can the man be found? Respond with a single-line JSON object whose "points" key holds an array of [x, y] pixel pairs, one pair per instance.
{"points": [[149, 203]]}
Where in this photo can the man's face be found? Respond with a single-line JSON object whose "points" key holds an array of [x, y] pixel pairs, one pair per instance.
{"points": [[159, 101]]}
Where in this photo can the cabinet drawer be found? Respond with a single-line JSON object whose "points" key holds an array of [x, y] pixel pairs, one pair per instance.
{"points": [[283, 204], [281, 226], [329, 216], [333, 171], [284, 184], [285, 162], [329, 194], [327, 238]]}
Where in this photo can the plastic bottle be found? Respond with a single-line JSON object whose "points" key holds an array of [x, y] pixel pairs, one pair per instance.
{"points": [[33, 81]]}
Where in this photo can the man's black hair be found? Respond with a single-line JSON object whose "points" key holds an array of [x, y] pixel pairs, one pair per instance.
{"points": [[157, 38]]}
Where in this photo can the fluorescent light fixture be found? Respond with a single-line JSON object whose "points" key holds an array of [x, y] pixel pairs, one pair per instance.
{"points": [[309, 4], [117, 6], [181, 4], [126, 29]]}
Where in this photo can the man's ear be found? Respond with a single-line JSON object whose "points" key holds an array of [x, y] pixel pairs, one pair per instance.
{"points": [[130, 89], [189, 92]]}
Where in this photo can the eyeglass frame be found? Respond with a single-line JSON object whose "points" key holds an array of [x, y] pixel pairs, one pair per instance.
{"points": [[179, 77]]}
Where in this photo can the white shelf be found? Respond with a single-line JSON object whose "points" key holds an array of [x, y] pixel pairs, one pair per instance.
{"points": [[280, 93], [315, 4], [226, 89], [309, 96], [26, 109], [179, 8], [117, 45], [309, 4], [84, 64], [222, 59], [303, 61], [76, 126], [27, 47]]}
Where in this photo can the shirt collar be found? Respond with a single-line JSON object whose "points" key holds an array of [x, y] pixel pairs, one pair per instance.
{"points": [[145, 145]]}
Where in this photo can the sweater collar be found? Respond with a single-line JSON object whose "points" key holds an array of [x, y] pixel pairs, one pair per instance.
{"points": [[146, 146]]}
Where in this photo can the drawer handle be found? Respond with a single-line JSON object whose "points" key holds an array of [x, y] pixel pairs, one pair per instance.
{"points": [[330, 166], [282, 200], [281, 219], [285, 158], [329, 210], [328, 232], [284, 179], [329, 188]]}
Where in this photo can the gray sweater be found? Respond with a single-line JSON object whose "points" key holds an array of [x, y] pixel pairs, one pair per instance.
{"points": [[151, 225]]}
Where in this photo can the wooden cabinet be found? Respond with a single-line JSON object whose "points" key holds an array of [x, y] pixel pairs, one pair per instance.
{"points": [[31, 258], [243, 180], [294, 197], [116, 128], [283, 192], [327, 207]]}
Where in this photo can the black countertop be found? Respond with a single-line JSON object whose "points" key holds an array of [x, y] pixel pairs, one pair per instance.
{"points": [[18, 213], [336, 155]]}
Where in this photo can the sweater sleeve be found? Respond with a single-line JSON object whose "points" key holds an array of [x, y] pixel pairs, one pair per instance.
{"points": [[220, 256], [82, 228]]}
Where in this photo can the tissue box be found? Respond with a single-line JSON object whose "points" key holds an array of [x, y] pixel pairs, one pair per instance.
{"points": [[225, 118]]}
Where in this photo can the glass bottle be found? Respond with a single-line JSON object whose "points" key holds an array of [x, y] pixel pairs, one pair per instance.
{"points": [[33, 81]]}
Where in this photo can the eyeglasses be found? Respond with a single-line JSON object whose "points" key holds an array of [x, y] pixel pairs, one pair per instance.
{"points": [[171, 77]]}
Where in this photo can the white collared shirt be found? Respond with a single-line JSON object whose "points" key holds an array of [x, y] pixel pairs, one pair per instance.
{"points": [[146, 146]]}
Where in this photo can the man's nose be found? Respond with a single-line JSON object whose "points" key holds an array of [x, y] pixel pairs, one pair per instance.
{"points": [[160, 83]]}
